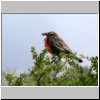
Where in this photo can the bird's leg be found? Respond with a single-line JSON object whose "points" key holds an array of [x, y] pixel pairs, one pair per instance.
{"points": [[53, 59], [59, 59]]}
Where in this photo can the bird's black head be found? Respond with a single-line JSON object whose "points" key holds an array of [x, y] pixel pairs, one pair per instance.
{"points": [[48, 34]]}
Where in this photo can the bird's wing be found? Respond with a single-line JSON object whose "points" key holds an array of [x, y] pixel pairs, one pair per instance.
{"points": [[65, 46], [58, 44]]}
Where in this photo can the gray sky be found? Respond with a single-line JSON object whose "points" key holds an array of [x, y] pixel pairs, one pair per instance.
{"points": [[22, 31]]}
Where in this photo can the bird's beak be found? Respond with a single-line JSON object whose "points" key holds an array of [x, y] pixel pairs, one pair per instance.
{"points": [[44, 34]]}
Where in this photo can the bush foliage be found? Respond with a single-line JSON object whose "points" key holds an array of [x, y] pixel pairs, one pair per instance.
{"points": [[64, 70]]}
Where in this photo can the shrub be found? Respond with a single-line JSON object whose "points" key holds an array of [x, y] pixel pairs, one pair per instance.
{"points": [[64, 70]]}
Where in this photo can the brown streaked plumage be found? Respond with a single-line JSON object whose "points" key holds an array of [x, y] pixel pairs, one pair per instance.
{"points": [[56, 45]]}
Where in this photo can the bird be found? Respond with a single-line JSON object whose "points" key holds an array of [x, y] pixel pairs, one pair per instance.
{"points": [[56, 44]]}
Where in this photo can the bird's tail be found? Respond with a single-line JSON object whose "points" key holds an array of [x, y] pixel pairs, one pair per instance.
{"points": [[79, 59], [75, 57]]}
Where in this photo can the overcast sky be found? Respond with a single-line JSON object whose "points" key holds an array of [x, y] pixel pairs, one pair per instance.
{"points": [[22, 31]]}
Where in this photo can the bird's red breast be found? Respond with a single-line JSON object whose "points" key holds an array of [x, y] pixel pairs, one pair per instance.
{"points": [[46, 44]]}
